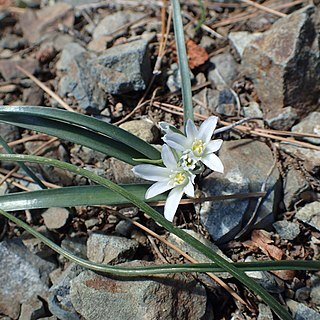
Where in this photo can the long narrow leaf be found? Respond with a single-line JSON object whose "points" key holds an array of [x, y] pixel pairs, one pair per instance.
{"points": [[161, 269], [71, 197], [220, 261], [75, 134], [89, 123]]}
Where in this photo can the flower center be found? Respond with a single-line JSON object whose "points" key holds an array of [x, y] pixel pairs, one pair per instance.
{"points": [[187, 162], [198, 147], [179, 178]]}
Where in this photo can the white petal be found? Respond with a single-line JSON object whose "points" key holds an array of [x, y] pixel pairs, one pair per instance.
{"points": [[189, 189], [151, 172], [168, 158], [158, 188], [176, 141], [213, 146], [172, 203], [213, 162], [191, 130], [206, 129]]}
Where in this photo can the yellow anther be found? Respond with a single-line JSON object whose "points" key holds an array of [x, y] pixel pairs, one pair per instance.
{"points": [[179, 178], [198, 147]]}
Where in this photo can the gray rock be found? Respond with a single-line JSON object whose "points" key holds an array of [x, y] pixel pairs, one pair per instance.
{"points": [[310, 158], [302, 294], [110, 24], [80, 83], [287, 230], [122, 172], [239, 40], [273, 61], [160, 297], [124, 228], [23, 276], [226, 103], [33, 96], [106, 249], [69, 51], [310, 214], [9, 71], [56, 218], [301, 311], [12, 42], [174, 79], [265, 312], [225, 70], [247, 163], [293, 185], [315, 290], [59, 295], [310, 124], [144, 129], [123, 68], [284, 120]]}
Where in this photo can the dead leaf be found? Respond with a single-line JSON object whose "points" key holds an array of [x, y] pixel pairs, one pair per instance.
{"points": [[263, 240], [196, 55]]}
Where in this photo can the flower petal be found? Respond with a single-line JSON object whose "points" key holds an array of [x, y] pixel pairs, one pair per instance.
{"points": [[176, 141], [158, 188], [189, 189], [151, 172], [191, 130], [172, 202], [168, 158], [207, 128], [213, 146], [213, 162]]}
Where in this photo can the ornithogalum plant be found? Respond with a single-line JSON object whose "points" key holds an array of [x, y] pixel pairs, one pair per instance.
{"points": [[183, 156]]}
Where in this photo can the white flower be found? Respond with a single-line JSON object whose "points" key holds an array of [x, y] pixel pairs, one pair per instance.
{"points": [[172, 176], [197, 144]]}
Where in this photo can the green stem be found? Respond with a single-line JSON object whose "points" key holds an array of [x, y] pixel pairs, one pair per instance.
{"points": [[220, 261], [183, 62]]}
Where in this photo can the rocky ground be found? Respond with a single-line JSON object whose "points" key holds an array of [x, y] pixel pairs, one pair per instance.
{"points": [[100, 58]]}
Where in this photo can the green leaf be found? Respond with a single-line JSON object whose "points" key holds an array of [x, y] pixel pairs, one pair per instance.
{"points": [[75, 134], [72, 196], [220, 261], [160, 269], [37, 115]]}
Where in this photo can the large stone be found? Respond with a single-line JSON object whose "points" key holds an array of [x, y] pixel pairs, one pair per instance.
{"points": [[123, 68], [161, 297], [247, 164], [310, 214], [144, 129], [284, 63], [106, 249], [240, 40], [310, 124], [23, 276]]}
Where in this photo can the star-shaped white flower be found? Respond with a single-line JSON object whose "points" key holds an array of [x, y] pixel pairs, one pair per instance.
{"points": [[172, 176], [197, 144]]}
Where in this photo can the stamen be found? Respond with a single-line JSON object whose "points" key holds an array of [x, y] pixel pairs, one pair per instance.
{"points": [[198, 147]]}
